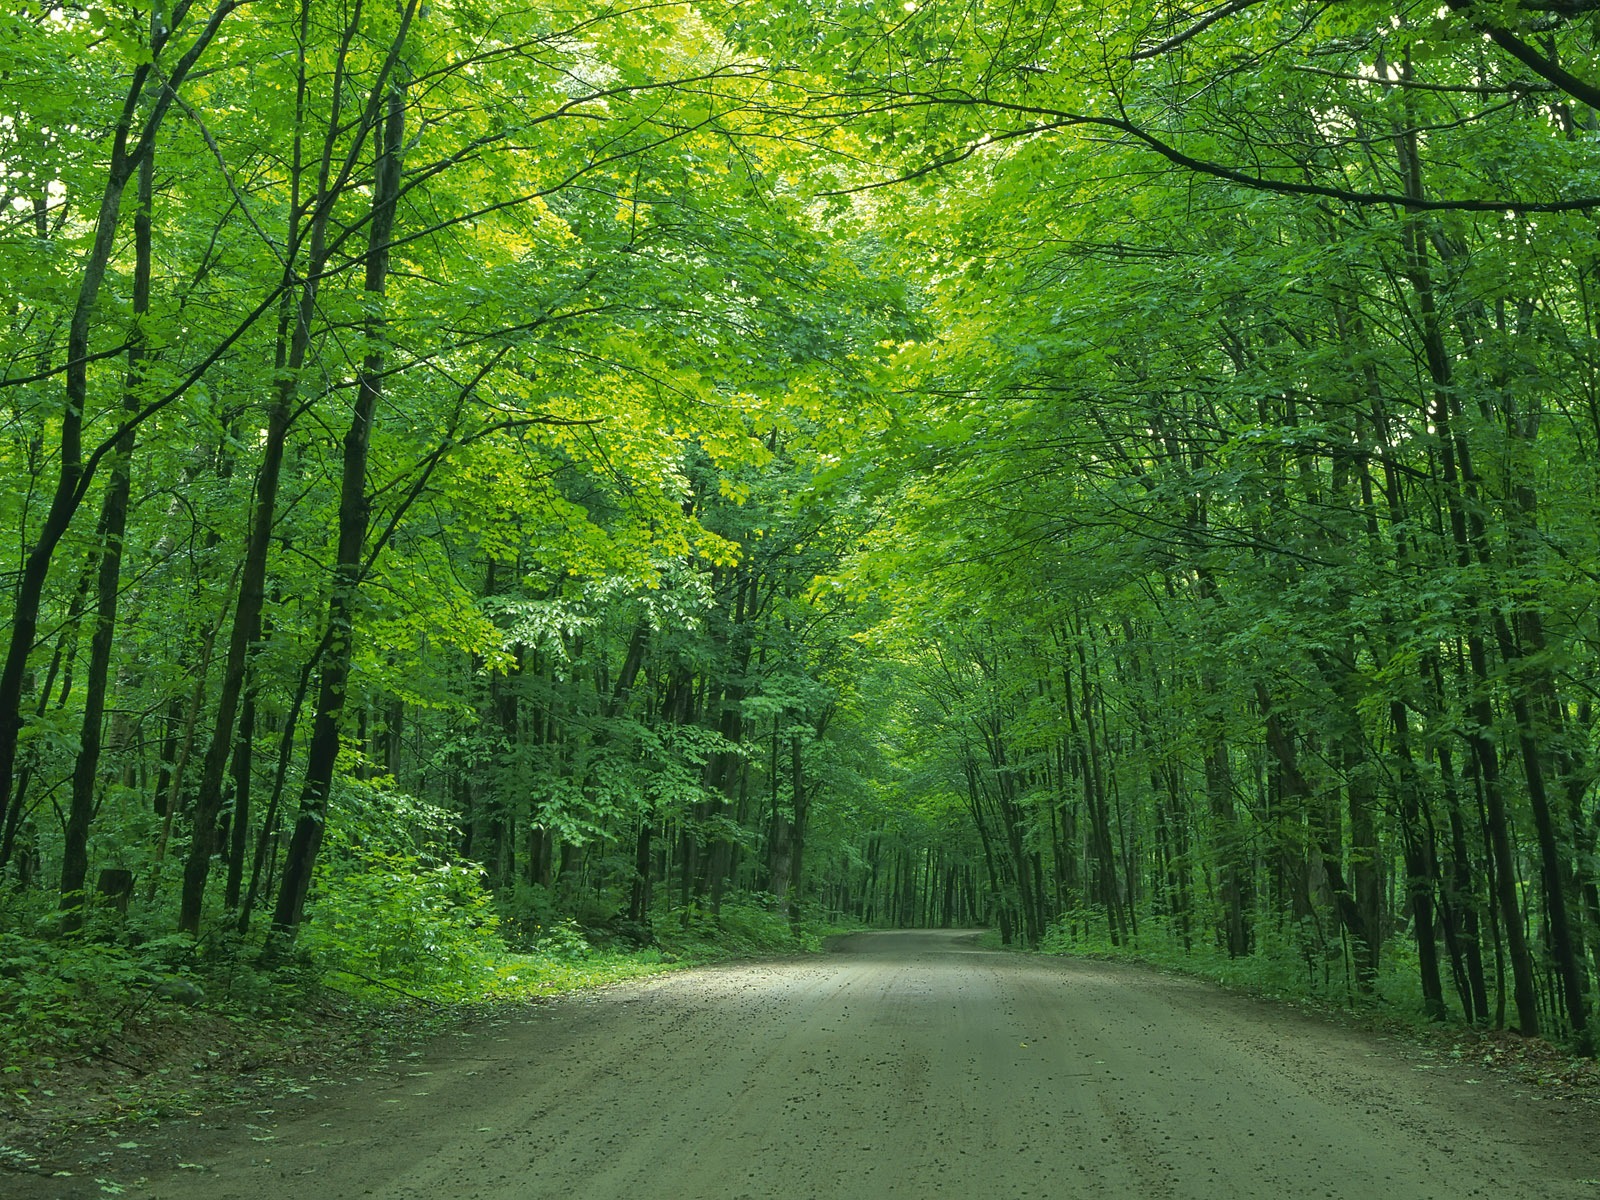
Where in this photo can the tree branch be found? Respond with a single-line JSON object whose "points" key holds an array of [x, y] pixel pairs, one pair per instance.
{"points": [[1054, 120], [1194, 30], [1546, 68]]}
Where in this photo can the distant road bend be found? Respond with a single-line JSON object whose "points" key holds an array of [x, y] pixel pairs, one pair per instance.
{"points": [[905, 1064]]}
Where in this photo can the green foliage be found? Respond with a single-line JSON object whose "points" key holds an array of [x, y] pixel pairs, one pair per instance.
{"points": [[1288, 964], [747, 929], [525, 909], [62, 993], [372, 816], [387, 922], [933, 463], [524, 976], [562, 939]]}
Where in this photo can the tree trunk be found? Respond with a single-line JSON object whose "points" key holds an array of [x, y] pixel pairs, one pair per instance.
{"points": [[113, 523], [306, 840], [73, 472], [1480, 710], [293, 344]]}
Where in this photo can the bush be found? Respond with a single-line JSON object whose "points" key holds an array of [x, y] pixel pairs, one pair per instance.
{"points": [[1295, 960], [390, 922], [525, 911], [563, 940], [60, 994], [739, 929], [63, 992]]}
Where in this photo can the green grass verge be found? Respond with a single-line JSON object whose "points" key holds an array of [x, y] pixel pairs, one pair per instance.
{"points": [[1279, 967]]}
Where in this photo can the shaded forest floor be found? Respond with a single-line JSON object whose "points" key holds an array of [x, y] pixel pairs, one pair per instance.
{"points": [[172, 1060]]}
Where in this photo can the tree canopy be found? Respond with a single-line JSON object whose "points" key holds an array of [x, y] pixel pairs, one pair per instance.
{"points": [[1125, 474]]}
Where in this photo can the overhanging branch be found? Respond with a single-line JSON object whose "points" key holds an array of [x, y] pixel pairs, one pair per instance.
{"points": [[1051, 120]]}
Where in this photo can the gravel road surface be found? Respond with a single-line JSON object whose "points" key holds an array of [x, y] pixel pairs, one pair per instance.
{"points": [[902, 1064]]}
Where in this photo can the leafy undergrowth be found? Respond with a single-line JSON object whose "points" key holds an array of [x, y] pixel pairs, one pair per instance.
{"points": [[1536, 1062], [1282, 971], [169, 1059], [97, 1034]]}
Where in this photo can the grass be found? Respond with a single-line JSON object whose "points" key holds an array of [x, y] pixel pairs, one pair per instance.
{"points": [[1282, 965]]}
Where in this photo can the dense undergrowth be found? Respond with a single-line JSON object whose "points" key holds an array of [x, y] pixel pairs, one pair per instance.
{"points": [[430, 941], [402, 936], [1286, 962]]}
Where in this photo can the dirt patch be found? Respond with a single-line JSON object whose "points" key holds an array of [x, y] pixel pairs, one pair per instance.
{"points": [[174, 1063]]}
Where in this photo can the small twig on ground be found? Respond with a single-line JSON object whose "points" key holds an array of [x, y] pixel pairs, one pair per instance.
{"points": [[428, 1000], [101, 1053]]}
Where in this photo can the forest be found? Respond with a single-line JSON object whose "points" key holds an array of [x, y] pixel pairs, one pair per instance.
{"points": [[1124, 474]]}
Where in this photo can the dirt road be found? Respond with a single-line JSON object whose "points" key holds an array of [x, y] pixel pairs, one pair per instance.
{"points": [[904, 1064]]}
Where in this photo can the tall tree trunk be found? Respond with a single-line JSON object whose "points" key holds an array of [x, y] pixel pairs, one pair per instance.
{"points": [[1480, 709], [239, 819], [1281, 742], [73, 472], [293, 344], [1419, 860], [323, 753], [114, 524]]}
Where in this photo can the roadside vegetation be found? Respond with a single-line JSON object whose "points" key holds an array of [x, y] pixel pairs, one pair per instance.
{"points": [[109, 1028]]}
